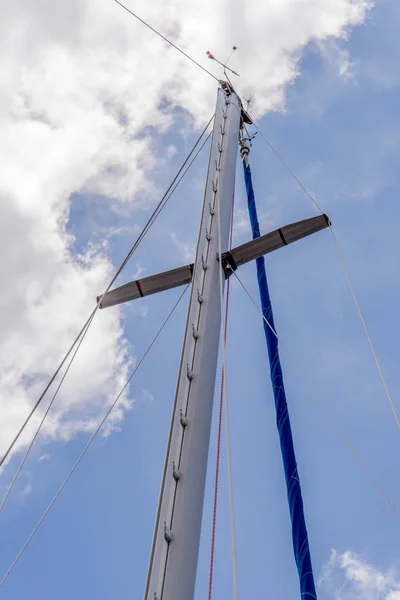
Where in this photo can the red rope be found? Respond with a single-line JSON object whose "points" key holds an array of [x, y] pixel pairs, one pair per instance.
{"points": [[221, 404]]}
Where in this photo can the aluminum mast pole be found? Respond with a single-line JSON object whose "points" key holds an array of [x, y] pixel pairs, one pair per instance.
{"points": [[174, 553]]}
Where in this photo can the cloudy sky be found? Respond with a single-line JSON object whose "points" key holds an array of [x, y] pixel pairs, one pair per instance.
{"points": [[96, 115]]}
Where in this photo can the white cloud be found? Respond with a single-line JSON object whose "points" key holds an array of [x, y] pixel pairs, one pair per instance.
{"points": [[338, 58], [147, 396], [139, 271], [27, 490], [242, 226], [122, 230], [139, 309], [187, 251], [44, 457], [349, 576], [171, 151], [85, 91]]}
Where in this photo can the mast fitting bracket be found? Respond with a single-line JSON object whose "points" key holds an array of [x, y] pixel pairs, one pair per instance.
{"points": [[176, 472], [228, 264], [167, 534], [183, 420]]}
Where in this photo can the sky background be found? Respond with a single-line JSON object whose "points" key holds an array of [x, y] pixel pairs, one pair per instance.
{"points": [[96, 116]]}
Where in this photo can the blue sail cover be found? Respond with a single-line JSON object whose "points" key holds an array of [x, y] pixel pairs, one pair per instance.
{"points": [[299, 530]]}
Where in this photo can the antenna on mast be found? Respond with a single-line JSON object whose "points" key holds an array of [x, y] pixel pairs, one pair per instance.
{"points": [[212, 57]]}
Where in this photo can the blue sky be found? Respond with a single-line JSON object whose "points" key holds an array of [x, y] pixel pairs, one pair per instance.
{"points": [[339, 135]]}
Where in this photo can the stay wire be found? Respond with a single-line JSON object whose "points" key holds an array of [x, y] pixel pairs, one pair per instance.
{"points": [[62, 486], [76, 351], [356, 302], [346, 272], [36, 405], [227, 423], [322, 403], [184, 173], [219, 432], [160, 205], [14, 480], [170, 190], [275, 151], [167, 40]]}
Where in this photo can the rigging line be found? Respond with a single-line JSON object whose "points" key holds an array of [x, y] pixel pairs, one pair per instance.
{"points": [[230, 56], [160, 205], [166, 40], [11, 446], [227, 424], [216, 486], [86, 448], [184, 173], [80, 342], [347, 275], [275, 151], [356, 302], [13, 482], [221, 404], [167, 195], [322, 404]]}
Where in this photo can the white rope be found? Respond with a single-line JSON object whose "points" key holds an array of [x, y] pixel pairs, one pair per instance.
{"points": [[322, 403], [347, 275], [226, 404], [86, 448]]}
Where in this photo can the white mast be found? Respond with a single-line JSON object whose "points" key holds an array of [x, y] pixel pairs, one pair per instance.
{"points": [[174, 554]]}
